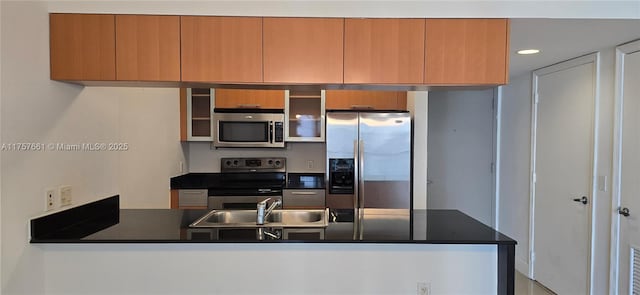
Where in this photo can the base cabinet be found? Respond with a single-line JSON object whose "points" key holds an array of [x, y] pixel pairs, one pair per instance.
{"points": [[189, 199], [303, 199]]}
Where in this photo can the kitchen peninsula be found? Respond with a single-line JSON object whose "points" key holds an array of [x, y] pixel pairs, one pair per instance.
{"points": [[449, 242]]}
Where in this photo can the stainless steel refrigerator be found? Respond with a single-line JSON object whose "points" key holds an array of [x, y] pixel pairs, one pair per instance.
{"points": [[369, 163]]}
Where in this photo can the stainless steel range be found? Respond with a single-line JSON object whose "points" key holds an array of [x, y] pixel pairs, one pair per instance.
{"points": [[244, 182]]}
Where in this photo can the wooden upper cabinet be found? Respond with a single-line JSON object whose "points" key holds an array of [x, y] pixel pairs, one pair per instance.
{"points": [[82, 47], [365, 100], [249, 98], [147, 48], [221, 49], [384, 51], [303, 50], [467, 51]]}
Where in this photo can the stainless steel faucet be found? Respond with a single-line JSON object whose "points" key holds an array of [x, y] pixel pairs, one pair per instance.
{"points": [[264, 212]]}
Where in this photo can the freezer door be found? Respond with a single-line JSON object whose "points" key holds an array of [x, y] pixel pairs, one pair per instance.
{"points": [[342, 148], [385, 160]]}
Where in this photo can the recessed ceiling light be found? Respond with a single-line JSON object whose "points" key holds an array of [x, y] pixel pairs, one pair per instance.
{"points": [[528, 51]]}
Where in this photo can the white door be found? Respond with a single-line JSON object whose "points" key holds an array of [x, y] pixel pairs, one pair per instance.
{"points": [[460, 145], [629, 176], [563, 170]]}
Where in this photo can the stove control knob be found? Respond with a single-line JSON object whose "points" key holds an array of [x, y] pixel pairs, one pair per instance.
{"points": [[277, 163], [270, 162], [235, 162], [227, 163]]}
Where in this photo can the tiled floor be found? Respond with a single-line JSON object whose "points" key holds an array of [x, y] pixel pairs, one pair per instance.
{"points": [[525, 286]]}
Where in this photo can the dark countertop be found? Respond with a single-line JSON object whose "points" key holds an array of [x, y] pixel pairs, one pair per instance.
{"points": [[112, 225], [212, 180], [195, 181]]}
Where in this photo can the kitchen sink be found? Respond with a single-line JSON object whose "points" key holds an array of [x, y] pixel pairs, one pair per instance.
{"points": [[277, 218], [297, 216]]}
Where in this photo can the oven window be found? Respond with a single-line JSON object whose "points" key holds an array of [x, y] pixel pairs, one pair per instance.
{"points": [[234, 131]]}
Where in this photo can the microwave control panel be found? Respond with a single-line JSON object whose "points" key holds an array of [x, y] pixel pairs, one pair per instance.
{"points": [[279, 132]]}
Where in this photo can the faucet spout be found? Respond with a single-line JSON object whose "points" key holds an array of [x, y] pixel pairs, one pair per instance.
{"points": [[263, 212]]}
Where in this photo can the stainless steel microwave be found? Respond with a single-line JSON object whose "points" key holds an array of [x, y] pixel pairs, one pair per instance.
{"points": [[243, 128]]}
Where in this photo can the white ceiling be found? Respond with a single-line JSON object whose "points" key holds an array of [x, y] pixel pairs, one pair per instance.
{"points": [[562, 39]]}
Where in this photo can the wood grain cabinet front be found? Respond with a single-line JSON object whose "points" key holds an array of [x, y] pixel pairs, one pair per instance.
{"points": [[249, 99], [467, 51], [221, 49], [384, 51], [147, 48], [366, 100], [82, 47], [303, 50]]}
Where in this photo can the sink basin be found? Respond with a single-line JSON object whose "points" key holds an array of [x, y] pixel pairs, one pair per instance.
{"points": [[277, 218], [231, 217], [297, 216]]}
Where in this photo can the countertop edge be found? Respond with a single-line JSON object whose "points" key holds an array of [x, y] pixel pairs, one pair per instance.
{"points": [[66, 241]]}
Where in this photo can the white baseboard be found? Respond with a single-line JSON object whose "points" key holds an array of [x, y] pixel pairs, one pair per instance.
{"points": [[522, 266]]}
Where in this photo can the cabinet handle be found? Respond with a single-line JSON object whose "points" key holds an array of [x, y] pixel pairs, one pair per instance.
{"points": [[249, 106], [362, 107], [304, 193]]}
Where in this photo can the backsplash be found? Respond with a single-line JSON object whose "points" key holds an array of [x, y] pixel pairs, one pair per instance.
{"points": [[202, 158]]}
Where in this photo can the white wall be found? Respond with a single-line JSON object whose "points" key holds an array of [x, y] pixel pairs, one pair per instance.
{"points": [[37, 110], [515, 168], [461, 141], [202, 158], [515, 153], [418, 105], [150, 123], [268, 269]]}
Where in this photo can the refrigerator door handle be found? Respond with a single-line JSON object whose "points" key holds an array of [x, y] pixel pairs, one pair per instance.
{"points": [[356, 175], [361, 188]]}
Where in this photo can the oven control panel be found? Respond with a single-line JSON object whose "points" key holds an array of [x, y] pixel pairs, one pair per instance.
{"points": [[270, 164]]}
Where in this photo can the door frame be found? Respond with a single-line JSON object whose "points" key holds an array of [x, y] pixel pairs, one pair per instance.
{"points": [[621, 52], [578, 61]]}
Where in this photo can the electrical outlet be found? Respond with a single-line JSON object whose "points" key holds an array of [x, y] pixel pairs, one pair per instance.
{"points": [[424, 288], [310, 164], [65, 195], [49, 197]]}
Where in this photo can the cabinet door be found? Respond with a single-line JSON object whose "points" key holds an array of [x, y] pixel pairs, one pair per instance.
{"points": [[82, 47], [249, 98], [221, 49], [467, 51], [304, 115], [196, 120], [384, 51], [147, 48], [199, 114], [303, 50], [303, 199], [366, 100]]}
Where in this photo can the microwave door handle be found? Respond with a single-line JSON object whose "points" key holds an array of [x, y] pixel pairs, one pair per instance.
{"points": [[271, 127]]}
